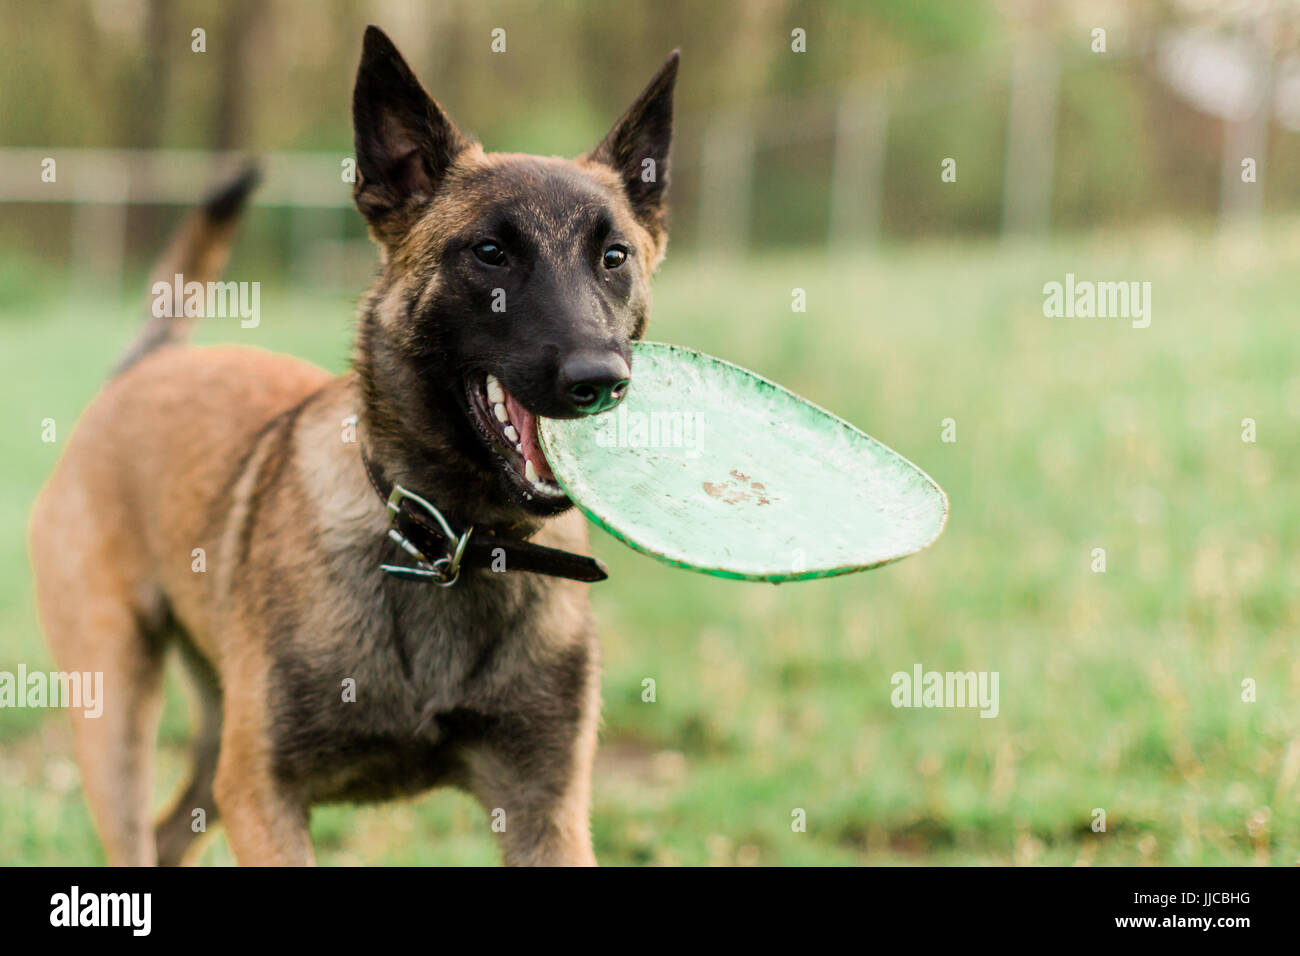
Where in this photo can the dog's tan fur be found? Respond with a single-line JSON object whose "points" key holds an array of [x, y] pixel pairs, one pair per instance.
{"points": [[233, 456], [116, 527]]}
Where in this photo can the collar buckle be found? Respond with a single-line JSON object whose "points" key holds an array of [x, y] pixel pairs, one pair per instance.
{"points": [[444, 571]]}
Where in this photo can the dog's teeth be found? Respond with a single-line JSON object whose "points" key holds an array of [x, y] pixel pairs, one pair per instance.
{"points": [[530, 472], [500, 412], [495, 393], [519, 447], [512, 436]]}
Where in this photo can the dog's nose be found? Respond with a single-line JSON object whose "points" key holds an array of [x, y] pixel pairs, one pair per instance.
{"points": [[592, 382]]}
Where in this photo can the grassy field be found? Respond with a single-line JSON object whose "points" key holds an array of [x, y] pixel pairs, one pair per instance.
{"points": [[1119, 690]]}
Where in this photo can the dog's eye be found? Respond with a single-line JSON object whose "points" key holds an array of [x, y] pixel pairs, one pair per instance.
{"points": [[615, 256], [489, 253]]}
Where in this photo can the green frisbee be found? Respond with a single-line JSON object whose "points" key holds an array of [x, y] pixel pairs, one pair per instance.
{"points": [[707, 466]]}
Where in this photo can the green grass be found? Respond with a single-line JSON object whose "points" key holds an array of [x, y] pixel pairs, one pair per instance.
{"points": [[1119, 691]]}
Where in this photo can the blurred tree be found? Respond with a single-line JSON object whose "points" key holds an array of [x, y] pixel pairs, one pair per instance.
{"points": [[239, 19], [148, 83]]}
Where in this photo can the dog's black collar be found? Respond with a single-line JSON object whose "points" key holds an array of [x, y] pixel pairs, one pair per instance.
{"points": [[421, 530]]}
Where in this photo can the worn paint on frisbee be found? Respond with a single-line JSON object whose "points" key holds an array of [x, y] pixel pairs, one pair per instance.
{"points": [[708, 466]]}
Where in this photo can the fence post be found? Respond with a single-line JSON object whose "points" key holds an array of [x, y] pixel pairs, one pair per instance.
{"points": [[1031, 139], [726, 182], [99, 228], [858, 168], [1242, 204]]}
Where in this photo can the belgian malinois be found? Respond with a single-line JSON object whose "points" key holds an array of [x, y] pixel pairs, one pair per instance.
{"points": [[365, 616]]}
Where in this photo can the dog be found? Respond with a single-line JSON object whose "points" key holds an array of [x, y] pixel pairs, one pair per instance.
{"points": [[374, 580]]}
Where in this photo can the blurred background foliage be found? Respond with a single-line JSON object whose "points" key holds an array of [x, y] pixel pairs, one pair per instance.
{"points": [[277, 76]]}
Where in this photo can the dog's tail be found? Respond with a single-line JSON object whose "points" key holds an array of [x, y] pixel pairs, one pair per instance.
{"points": [[197, 253]]}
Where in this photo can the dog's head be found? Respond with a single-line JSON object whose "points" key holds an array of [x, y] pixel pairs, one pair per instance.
{"points": [[513, 285]]}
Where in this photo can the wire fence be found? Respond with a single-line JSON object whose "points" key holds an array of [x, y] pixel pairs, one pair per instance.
{"points": [[101, 184]]}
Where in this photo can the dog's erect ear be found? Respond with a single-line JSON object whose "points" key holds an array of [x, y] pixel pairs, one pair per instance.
{"points": [[637, 147], [404, 141]]}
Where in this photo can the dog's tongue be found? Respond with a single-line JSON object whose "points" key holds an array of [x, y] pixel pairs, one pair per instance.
{"points": [[525, 423]]}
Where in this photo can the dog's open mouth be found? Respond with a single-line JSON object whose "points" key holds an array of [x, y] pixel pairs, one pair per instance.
{"points": [[511, 431]]}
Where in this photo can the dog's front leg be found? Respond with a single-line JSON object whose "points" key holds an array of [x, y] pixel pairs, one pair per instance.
{"points": [[535, 784], [540, 816], [266, 822], [266, 826]]}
